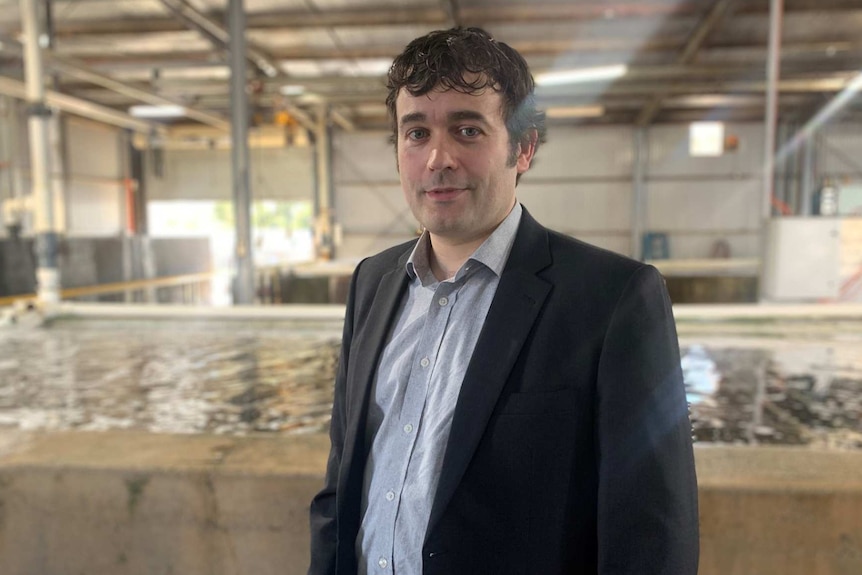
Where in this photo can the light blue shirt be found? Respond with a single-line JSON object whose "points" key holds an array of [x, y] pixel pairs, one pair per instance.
{"points": [[413, 398]]}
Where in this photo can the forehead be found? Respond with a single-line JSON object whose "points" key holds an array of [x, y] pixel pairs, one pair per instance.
{"points": [[442, 101]]}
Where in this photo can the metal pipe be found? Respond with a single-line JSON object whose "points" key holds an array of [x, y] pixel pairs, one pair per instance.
{"points": [[8, 161], [776, 12], [808, 176], [47, 274], [244, 281], [56, 135], [638, 191], [779, 168], [323, 162]]}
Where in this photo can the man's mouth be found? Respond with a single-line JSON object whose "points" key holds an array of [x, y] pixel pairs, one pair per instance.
{"points": [[444, 194]]}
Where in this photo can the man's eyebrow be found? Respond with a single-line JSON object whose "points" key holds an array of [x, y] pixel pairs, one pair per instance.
{"points": [[461, 115], [412, 118], [456, 116]]}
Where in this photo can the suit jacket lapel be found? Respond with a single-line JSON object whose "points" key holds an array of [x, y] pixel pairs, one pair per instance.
{"points": [[519, 297]]}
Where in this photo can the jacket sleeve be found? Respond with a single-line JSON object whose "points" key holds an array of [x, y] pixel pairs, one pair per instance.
{"points": [[647, 504], [324, 519]]}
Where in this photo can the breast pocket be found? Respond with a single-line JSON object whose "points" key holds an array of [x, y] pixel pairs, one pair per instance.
{"points": [[539, 403]]}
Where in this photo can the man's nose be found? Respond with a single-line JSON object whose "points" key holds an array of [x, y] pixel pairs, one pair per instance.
{"points": [[441, 157]]}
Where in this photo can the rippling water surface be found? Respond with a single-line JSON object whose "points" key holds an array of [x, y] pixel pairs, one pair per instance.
{"points": [[165, 378], [795, 383]]}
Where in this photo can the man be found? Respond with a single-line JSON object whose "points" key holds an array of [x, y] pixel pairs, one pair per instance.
{"points": [[509, 400]]}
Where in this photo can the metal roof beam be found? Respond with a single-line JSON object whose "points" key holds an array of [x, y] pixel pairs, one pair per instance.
{"points": [[711, 21], [219, 35], [395, 16], [79, 107], [78, 71]]}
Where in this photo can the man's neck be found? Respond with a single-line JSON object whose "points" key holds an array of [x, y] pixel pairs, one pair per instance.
{"points": [[446, 257]]}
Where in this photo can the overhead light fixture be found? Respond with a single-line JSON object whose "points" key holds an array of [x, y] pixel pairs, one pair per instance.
{"points": [[157, 112], [706, 139], [565, 112], [292, 90], [581, 75]]}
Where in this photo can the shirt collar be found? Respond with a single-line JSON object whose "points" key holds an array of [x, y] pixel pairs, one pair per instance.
{"points": [[493, 253]]}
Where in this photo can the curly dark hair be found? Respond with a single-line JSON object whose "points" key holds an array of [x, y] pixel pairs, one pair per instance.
{"points": [[469, 60]]}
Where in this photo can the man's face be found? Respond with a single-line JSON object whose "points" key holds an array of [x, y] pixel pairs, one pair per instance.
{"points": [[453, 159]]}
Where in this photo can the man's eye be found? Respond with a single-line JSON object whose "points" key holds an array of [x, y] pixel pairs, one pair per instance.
{"points": [[417, 134], [470, 132]]}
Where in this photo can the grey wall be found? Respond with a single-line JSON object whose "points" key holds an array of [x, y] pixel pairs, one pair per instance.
{"points": [[276, 174], [94, 202], [95, 194], [581, 185]]}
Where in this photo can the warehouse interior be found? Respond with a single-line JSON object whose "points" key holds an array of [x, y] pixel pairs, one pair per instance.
{"points": [[231, 160]]}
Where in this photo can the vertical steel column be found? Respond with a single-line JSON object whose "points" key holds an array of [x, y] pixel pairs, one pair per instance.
{"points": [[323, 218], [639, 163], [776, 14], [47, 274], [244, 279], [56, 138], [809, 179], [13, 156], [779, 168], [8, 127]]}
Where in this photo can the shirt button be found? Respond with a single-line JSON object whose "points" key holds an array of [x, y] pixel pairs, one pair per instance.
{"points": [[390, 495], [425, 362], [383, 562], [443, 301], [408, 428]]}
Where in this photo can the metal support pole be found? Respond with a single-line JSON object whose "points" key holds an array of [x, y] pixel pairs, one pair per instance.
{"points": [[244, 279], [809, 178], [56, 136], [639, 163], [779, 167], [776, 13], [47, 274], [324, 217], [8, 145]]}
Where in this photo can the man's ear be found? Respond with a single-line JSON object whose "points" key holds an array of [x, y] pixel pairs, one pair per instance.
{"points": [[526, 150]]}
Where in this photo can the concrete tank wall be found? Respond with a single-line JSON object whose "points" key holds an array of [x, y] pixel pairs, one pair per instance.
{"points": [[137, 503]]}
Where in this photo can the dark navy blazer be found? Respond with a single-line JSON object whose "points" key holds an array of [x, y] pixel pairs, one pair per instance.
{"points": [[570, 450]]}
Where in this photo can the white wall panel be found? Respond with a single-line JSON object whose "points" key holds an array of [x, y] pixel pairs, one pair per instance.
{"points": [[706, 205], [370, 209], [358, 246], [93, 150], [577, 209], [94, 209], [578, 152], [276, 174], [669, 156], [363, 157]]}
